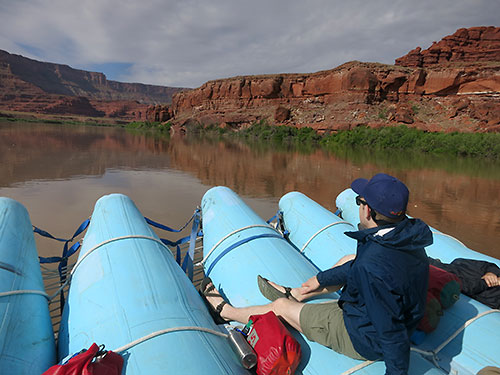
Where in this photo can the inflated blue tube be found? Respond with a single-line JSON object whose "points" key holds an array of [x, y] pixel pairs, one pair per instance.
{"points": [[125, 286], [26, 337], [228, 223], [315, 231]]}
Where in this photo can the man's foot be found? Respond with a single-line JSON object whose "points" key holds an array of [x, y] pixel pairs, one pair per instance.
{"points": [[273, 291], [213, 300]]}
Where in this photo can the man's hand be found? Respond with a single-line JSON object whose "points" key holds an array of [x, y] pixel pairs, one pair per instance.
{"points": [[491, 279], [311, 285]]}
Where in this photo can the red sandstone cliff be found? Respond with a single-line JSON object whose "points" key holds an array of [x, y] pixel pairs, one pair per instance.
{"points": [[477, 44], [28, 85], [453, 86]]}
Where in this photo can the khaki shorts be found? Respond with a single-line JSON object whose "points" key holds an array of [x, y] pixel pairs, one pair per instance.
{"points": [[324, 324]]}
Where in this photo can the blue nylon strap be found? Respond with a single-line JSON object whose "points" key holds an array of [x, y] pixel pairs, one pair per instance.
{"points": [[187, 264], [73, 249], [160, 226], [168, 229], [66, 252], [81, 228], [43, 233], [49, 259], [240, 242], [272, 219], [279, 218], [178, 242]]}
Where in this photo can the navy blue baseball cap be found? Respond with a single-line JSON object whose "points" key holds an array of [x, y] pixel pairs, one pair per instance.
{"points": [[385, 194]]}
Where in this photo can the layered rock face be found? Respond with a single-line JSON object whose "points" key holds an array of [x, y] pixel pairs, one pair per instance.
{"points": [[31, 86], [459, 96], [477, 44]]}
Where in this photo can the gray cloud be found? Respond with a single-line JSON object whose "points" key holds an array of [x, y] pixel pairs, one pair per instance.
{"points": [[188, 42]]}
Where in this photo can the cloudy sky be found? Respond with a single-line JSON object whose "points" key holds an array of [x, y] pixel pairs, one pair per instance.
{"points": [[188, 42]]}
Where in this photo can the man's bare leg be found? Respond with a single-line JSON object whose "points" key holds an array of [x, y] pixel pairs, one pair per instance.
{"points": [[299, 294], [302, 294], [282, 307]]}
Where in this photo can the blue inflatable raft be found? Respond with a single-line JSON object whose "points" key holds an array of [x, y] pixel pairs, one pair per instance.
{"points": [[468, 334], [26, 337], [238, 245], [128, 293]]}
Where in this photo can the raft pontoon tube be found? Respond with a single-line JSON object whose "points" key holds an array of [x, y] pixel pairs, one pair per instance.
{"points": [[26, 337], [238, 245], [125, 286], [319, 233]]}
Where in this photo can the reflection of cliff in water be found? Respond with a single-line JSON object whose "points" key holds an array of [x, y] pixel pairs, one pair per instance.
{"points": [[459, 197], [48, 152], [451, 201]]}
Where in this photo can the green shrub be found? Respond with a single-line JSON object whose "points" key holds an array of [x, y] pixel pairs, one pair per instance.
{"points": [[404, 138]]}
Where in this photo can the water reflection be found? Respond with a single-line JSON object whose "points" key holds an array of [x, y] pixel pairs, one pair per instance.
{"points": [[59, 172]]}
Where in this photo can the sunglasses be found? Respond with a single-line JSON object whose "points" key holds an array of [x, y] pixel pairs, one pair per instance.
{"points": [[359, 201]]}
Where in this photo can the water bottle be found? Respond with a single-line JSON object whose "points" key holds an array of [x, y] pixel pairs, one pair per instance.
{"points": [[242, 348]]}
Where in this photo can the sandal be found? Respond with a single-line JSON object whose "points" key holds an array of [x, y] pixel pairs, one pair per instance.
{"points": [[207, 289], [271, 293]]}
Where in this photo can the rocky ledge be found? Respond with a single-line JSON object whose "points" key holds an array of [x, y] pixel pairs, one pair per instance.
{"points": [[452, 86], [32, 86]]}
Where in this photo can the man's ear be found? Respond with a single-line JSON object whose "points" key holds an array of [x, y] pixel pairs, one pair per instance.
{"points": [[368, 213]]}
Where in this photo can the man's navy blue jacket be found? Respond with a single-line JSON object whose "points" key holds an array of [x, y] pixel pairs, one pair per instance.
{"points": [[385, 290]]}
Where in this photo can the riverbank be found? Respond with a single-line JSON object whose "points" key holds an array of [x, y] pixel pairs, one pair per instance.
{"points": [[391, 138], [399, 138], [14, 116]]}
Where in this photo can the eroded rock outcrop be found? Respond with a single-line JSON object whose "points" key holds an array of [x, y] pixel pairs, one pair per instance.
{"points": [[476, 44], [421, 91], [28, 85]]}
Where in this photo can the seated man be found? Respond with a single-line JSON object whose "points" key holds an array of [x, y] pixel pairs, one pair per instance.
{"points": [[479, 279], [384, 286]]}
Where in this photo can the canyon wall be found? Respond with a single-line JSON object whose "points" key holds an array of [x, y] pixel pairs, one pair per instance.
{"points": [[452, 86], [28, 85]]}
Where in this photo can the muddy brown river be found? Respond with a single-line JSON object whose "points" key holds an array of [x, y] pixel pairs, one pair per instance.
{"points": [[58, 172]]}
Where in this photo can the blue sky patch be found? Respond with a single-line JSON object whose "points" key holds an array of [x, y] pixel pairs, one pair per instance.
{"points": [[33, 51], [114, 71]]}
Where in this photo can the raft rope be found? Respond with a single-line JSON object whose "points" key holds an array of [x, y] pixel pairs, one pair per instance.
{"points": [[136, 236], [433, 353], [202, 262], [168, 330], [430, 353], [187, 265], [321, 230], [357, 367], [26, 291]]}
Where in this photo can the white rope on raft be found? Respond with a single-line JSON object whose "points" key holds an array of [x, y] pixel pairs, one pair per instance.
{"points": [[321, 230], [27, 291], [136, 236], [459, 330], [358, 367], [202, 262], [429, 353], [168, 330]]}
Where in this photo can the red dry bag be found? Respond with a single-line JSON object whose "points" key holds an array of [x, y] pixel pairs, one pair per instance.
{"points": [[105, 363], [277, 350]]}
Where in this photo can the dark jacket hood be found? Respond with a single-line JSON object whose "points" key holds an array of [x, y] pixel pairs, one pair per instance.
{"points": [[407, 235]]}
